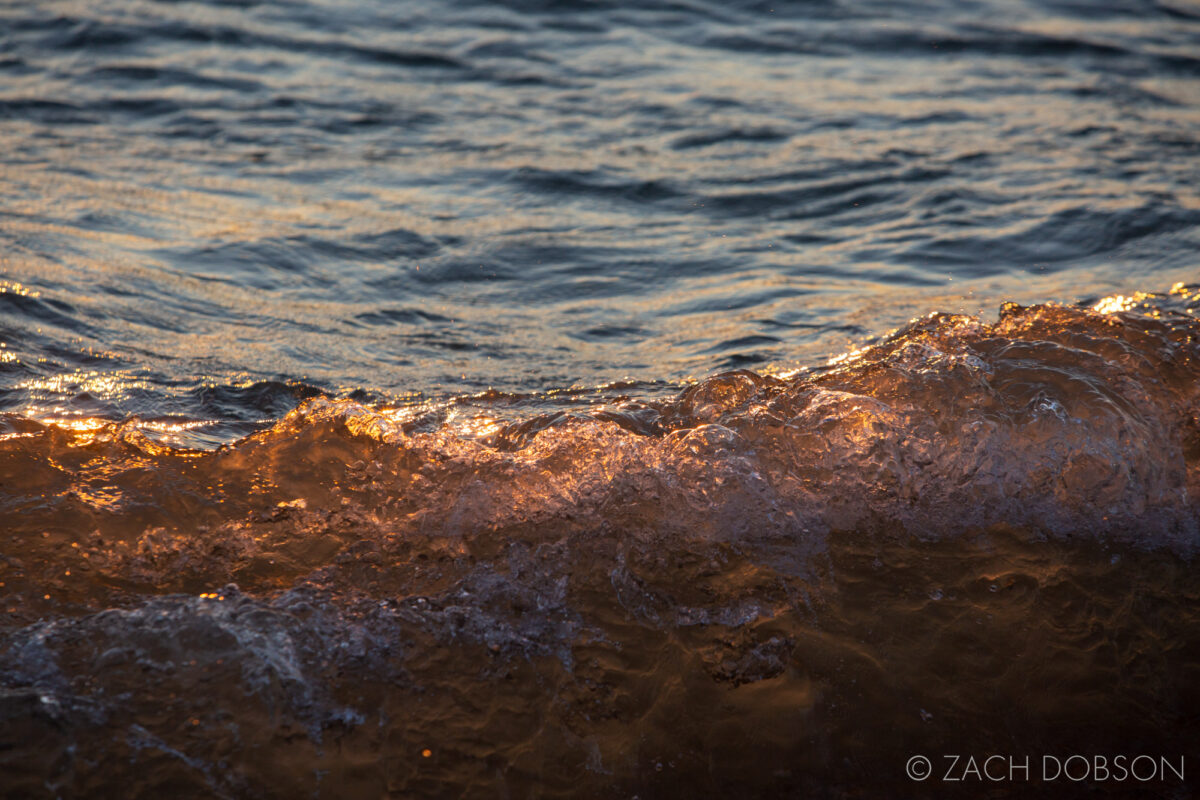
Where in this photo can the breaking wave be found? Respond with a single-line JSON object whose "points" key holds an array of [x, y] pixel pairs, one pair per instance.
{"points": [[779, 583]]}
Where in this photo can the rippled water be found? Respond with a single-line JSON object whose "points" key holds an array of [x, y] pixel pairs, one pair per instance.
{"points": [[434, 199], [541, 399]]}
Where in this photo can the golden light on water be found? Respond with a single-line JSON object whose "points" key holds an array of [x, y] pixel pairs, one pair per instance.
{"points": [[12, 287], [788, 374], [479, 427], [406, 414], [847, 358], [92, 424], [173, 427], [1117, 303], [102, 385], [77, 424], [87, 430]]}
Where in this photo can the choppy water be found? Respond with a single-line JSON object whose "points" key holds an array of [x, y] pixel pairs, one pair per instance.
{"points": [[417, 400]]}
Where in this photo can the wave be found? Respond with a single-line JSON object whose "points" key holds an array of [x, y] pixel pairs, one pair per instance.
{"points": [[457, 599], [1062, 420]]}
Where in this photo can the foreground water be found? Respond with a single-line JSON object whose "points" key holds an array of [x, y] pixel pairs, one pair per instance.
{"points": [[565, 399], [968, 539]]}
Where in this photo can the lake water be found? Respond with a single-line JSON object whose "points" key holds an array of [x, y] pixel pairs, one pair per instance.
{"points": [[536, 399]]}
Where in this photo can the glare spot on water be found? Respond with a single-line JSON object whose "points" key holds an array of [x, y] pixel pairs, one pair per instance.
{"points": [[12, 287]]}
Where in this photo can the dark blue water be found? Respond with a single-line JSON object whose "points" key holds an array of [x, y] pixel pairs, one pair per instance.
{"points": [[205, 204], [581, 399]]}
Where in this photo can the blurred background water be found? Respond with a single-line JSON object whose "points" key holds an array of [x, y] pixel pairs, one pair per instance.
{"points": [[214, 209]]}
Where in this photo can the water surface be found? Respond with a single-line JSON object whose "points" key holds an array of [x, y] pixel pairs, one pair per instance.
{"points": [[585, 399]]}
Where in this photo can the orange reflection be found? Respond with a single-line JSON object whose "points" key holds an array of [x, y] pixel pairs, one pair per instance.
{"points": [[1117, 303]]}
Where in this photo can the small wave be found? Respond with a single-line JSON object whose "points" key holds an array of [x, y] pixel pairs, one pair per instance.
{"points": [[421, 599], [1066, 236], [1062, 421]]}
